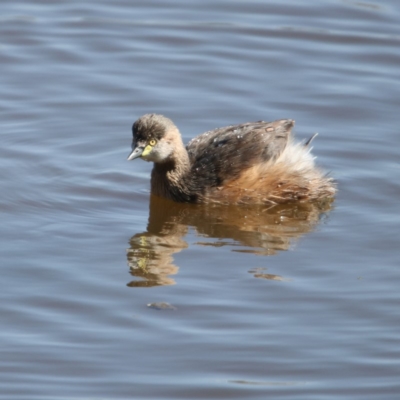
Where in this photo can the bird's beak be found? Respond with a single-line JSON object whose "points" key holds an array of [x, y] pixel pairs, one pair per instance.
{"points": [[136, 152]]}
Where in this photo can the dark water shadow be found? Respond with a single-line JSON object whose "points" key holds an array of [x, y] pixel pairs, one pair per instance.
{"points": [[254, 229]]}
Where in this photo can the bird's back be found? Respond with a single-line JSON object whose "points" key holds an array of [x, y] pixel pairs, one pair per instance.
{"points": [[223, 154]]}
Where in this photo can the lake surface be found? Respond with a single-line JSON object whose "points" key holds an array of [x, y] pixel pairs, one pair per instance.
{"points": [[108, 294]]}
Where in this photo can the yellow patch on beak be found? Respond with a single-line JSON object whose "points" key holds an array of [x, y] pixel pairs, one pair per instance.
{"points": [[147, 150]]}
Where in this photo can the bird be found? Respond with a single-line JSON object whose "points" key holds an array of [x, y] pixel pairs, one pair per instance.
{"points": [[250, 163]]}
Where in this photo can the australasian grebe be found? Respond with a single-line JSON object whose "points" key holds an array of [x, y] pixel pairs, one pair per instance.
{"points": [[251, 163]]}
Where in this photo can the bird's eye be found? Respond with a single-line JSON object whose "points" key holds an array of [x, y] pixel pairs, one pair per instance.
{"points": [[152, 142]]}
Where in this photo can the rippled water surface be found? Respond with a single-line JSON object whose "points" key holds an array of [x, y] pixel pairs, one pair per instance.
{"points": [[108, 294]]}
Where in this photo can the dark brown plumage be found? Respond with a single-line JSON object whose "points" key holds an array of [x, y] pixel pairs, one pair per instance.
{"points": [[255, 162]]}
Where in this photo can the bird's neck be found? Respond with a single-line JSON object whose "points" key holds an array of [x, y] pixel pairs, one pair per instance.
{"points": [[171, 179]]}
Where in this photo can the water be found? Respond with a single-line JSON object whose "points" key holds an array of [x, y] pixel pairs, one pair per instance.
{"points": [[106, 296]]}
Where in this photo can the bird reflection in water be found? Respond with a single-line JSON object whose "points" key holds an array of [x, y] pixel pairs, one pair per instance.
{"points": [[257, 229]]}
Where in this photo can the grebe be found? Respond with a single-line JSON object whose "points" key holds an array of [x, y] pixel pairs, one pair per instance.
{"points": [[250, 163]]}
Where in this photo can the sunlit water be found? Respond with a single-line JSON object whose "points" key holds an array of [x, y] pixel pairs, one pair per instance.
{"points": [[106, 295]]}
